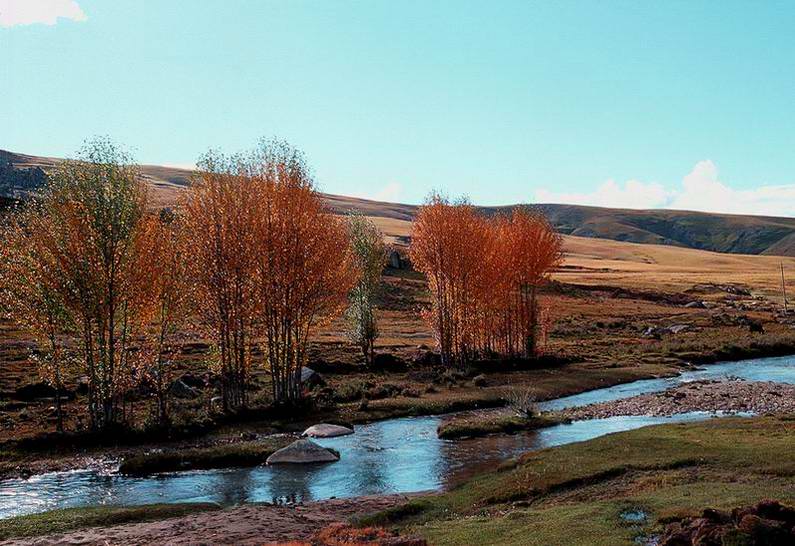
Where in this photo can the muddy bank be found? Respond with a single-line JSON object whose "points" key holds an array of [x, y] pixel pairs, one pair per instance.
{"points": [[249, 524], [732, 396]]}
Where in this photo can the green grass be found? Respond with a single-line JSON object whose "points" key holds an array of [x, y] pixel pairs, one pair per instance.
{"points": [[60, 521], [574, 494], [251, 453], [390, 408], [587, 524], [476, 426]]}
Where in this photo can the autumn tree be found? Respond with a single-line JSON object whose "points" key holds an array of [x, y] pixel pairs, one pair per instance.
{"points": [[86, 245], [171, 305], [484, 275], [535, 249], [448, 241], [35, 306], [221, 212], [369, 252], [268, 259], [304, 267]]}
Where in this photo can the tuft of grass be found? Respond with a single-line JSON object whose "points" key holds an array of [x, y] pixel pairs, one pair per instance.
{"points": [[238, 454], [68, 519], [390, 516], [477, 426]]}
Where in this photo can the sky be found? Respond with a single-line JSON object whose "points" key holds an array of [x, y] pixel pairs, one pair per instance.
{"points": [[675, 104]]}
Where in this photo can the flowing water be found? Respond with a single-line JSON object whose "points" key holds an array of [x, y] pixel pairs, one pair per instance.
{"points": [[392, 456]]}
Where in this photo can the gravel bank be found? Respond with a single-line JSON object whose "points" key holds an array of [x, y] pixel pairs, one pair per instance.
{"points": [[731, 396]]}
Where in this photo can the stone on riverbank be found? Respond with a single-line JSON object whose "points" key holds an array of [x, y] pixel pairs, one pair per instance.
{"points": [[327, 430], [303, 452]]}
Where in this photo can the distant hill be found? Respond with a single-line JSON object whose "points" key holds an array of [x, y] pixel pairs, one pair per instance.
{"points": [[738, 234]]}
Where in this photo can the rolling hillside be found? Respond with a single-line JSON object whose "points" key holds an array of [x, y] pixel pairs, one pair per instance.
{"points": [[737, 234]]}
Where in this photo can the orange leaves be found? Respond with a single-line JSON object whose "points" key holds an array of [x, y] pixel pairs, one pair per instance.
{"points": [[535, 247], [268, 259], [453, 246], [483, 275], [84, 251]]}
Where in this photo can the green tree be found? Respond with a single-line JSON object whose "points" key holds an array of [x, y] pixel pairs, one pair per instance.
{"points": [[369, 252]]}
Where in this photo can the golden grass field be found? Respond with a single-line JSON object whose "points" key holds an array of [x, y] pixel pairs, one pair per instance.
{"points": [[647, 266]]}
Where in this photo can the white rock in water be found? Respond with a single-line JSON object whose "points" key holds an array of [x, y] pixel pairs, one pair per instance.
{"points": [[303, 452], [326, 430]]}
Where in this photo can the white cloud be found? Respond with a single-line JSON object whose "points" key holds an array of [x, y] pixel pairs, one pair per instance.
{"points": [[46, 12], [633, 194], [700, 190]]}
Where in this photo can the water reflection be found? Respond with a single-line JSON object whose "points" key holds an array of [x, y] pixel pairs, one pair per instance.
{"points": [[399, 455]]}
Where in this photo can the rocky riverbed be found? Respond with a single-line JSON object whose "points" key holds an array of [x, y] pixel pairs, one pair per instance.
{"points": [[729, 396]]}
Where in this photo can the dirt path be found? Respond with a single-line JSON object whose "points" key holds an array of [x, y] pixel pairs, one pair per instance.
{"points": [[248, 524]]}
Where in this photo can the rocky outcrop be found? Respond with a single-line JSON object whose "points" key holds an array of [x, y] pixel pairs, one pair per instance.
{"points": [[768, 522], [303, 452]]}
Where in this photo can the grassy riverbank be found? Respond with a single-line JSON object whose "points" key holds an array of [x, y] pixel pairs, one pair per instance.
{"points": [[239, 454], [59, 521], [474, 426], [575, 494]]}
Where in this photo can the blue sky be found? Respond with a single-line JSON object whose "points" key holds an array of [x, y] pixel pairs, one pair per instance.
{"points": [[644, 104]]}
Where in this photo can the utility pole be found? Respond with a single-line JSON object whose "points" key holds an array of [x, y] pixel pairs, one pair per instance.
{"points": [[783, 289]]}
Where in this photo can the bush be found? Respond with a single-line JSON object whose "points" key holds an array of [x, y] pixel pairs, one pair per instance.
{"points": [[522, 401]]}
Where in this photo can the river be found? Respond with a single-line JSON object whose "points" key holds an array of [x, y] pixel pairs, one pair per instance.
{"points": [[391, 456]]}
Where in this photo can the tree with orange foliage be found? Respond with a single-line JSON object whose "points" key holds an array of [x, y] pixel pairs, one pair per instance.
{"points": [[220, 212], [87, 248], [484, 276], [448, 242], [268, 258], [304, 267], [29, 301], [535, 249], [171, 305]]}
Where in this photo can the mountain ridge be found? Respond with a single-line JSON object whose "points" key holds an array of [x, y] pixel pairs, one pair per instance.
{"points": [[728, 233]]}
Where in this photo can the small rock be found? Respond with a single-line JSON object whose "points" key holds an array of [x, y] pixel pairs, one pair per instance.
{"points": [[310, 378], [326, 430], [179, 389]]}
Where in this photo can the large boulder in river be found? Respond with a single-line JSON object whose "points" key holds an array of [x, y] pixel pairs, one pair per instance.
{"points": [[327, 430], [303, 452]]}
